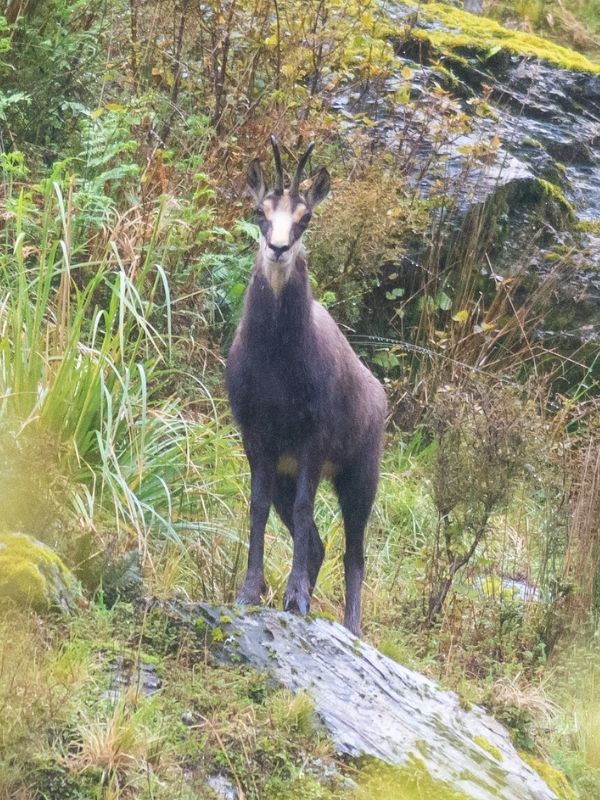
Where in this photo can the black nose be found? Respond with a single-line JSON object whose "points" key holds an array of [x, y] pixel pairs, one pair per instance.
{"points": [[279, 251]]}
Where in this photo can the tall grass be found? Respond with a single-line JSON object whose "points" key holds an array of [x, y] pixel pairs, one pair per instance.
{"points": [[85, 353]]}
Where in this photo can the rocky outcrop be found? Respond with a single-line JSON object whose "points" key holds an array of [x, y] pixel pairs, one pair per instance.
{"points": [[33, 575], [369, 704], [523, 152]]}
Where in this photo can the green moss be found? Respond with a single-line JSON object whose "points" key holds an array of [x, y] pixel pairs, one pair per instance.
{"points": [[553, 205], [589, 226], [553, 191], [381, 781], [464, 703], [31, 574], [468, 31], [554, 778], [217, 635], [529, 141], [488, 747]]}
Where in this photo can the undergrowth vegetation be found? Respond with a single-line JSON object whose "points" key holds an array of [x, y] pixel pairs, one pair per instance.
{"points": [[125, 248]]}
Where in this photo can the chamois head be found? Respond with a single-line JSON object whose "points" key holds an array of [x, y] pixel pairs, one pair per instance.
{"points": [[283, 214]]}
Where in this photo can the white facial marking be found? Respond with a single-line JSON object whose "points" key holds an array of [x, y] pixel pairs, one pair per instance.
{"points": [[281, 217], [281, 228]]}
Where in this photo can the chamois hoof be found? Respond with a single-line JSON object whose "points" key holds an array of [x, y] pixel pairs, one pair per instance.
{"points": [[245, 600], [297, 601], [250, 595]]}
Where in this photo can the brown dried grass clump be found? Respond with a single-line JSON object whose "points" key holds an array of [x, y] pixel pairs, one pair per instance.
{"points": [[581, 569]]}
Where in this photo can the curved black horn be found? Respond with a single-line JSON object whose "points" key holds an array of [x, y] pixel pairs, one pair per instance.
{"points": [[300, 169], [278, 167]]}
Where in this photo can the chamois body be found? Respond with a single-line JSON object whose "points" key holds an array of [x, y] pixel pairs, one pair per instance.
{"points": [[307, 407]]}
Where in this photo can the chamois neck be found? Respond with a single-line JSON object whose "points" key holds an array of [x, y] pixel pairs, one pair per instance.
{"points": [[278, 321]]}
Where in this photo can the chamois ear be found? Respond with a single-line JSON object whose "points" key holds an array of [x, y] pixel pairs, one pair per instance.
{"points": [[319, 188], [256, 180]]}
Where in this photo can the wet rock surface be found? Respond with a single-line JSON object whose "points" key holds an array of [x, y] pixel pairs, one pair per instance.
{"points": [[543, 115], [222, 787], [369, 704], [543, 123], [130, 673]]}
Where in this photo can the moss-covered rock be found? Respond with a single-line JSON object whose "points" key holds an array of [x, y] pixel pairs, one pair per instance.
{"points": [[381, 781], [31, 574], [461, 31]]}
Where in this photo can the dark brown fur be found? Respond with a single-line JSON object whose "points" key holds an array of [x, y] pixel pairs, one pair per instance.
{"points": [[305, 404]]}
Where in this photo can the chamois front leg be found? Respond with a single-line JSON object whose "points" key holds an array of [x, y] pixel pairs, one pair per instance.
{"points": [[301, 582], [262, 471]]}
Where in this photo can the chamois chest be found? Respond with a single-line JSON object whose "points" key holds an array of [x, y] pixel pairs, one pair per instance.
{"points": [[273, 380], [276, 395]]}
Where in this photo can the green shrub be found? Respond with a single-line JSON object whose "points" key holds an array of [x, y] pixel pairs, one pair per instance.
{"points": [[50, 79]]}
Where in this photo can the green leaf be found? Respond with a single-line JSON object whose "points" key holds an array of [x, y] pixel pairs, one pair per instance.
{"points": [[393, 294], [442, 301], [248, 229]]}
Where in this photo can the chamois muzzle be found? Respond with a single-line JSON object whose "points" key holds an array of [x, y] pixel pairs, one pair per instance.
{"points": [[279, 251]]}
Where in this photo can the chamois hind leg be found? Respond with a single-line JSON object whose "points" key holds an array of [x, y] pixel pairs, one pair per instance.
{"points": [[283, 500], [356, 490], [262, 470]]}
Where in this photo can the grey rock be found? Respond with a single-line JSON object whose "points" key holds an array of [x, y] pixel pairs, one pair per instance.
{"points": [[222, 787], [126, 673], [372, 706], [187, 717]]}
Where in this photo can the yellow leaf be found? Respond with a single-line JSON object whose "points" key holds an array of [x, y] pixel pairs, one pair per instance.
{"points": [[98, 112], [406, 73], [487, 326], [461, 316], [495, 143], [119, 109]]}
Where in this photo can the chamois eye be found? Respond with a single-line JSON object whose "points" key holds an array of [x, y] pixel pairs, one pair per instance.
{"points": [[260, 214], [306, 218]]}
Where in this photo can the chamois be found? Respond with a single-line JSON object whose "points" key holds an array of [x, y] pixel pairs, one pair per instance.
{"points": [[306, 405]]}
